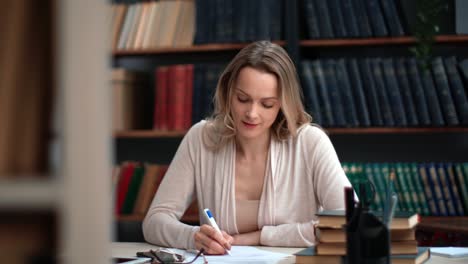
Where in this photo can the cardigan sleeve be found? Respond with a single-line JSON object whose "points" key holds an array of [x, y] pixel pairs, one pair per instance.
{"points": [[324, 172], [161, 225]]}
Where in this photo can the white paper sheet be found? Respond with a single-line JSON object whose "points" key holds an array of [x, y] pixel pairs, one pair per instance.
{"points": [[243, 254], [450, 252]]}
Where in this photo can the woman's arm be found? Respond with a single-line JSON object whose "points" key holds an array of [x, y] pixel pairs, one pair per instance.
{"points": [[161, 225]]}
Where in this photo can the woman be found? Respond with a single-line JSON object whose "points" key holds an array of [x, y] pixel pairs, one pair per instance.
{"points": [[258, 164]]}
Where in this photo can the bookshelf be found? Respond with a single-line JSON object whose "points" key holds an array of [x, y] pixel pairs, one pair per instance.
{"points": [[357, 144]]}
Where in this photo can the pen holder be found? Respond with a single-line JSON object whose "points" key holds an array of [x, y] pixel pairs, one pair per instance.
{"points": [[368, 240]]}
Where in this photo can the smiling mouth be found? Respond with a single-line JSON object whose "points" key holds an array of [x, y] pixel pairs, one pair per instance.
{"points": [[249, 125]]}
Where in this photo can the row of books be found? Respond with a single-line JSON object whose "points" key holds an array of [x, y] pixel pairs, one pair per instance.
{"points": [[389, 92], [436, 189], [231, 21], [352, 18], [153, 24], [134, 186], [331, 242], [180, 96], [184, 94]]}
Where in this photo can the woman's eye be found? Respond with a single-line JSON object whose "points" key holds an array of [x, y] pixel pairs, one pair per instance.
{"points": [[242, 100], [268, 105]]}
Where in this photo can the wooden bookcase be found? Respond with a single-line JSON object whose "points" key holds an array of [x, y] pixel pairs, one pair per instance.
{"points": [[373, 144]]}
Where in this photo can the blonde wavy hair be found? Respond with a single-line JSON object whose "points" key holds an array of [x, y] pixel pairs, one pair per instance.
{"points": [[267, 57]]}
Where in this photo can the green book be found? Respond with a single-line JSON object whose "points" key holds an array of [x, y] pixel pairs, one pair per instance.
{"points": [[414, 198], [419, 186], [309, 256], [405, 195], [461, 172], [133, 189]]}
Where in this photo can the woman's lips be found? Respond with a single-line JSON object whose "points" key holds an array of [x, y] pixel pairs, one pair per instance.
{"points": [[248, 125]]}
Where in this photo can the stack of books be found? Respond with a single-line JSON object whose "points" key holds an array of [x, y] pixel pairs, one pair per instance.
{"points": [[331, 240]]}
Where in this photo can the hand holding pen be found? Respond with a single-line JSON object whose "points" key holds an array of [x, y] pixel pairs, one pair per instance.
{"points": [[211, 238]]}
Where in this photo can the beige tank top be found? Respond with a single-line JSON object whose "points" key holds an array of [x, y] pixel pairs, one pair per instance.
{"points": [[247, 215]]}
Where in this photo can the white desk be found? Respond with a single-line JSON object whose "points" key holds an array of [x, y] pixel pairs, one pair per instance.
{"points": [[128, 249]]}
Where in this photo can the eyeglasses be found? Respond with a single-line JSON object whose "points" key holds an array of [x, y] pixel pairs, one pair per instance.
{"points": [[168, 257]]}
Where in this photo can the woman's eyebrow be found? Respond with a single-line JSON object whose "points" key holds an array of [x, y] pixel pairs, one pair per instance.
{"points": [[265, 98]]}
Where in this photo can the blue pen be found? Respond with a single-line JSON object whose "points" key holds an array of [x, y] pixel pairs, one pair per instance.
{"points": [[212, 222]]}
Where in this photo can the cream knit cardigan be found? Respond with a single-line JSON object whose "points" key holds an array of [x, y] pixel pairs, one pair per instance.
{"points": [[304, 176]]}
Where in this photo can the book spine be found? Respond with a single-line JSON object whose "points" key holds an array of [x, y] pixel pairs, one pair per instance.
{"points": [[359, 96], [444, 94], [176, 96], [458, 91], [188, 107], [405, 90], [429, 194], [370, 89], [445, 186], [362, 18], [133, 189], [200, 22], [336, 16], [452, 182], [318, 71], [333, 91], [461, 171], [401, 181], [418, 92], [311, 17], [345, 91], [432, 98], [392, 18], [420, 187], [437, 188], [350, 20], [324, 20], [310, 92], [263, 20], [383, 101], [414, 198], [376, 18], [393, 91]]}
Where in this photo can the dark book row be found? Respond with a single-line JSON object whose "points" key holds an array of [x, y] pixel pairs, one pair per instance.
{"points": [[352, 18], [386, 92], [435, 189], [231, 21]]}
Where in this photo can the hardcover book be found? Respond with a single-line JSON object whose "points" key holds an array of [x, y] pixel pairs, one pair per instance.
{"points": [[336, 219]]}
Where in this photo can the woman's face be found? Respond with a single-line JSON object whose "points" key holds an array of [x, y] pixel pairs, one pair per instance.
{"points": [[255, 103]]}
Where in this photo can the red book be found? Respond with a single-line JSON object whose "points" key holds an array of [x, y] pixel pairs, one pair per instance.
{"points": [[176, 102], [188, 97], [122, 186], [161, 98]]}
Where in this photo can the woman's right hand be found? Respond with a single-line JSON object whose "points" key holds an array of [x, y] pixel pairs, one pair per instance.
{"points": [[212, 241]]}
